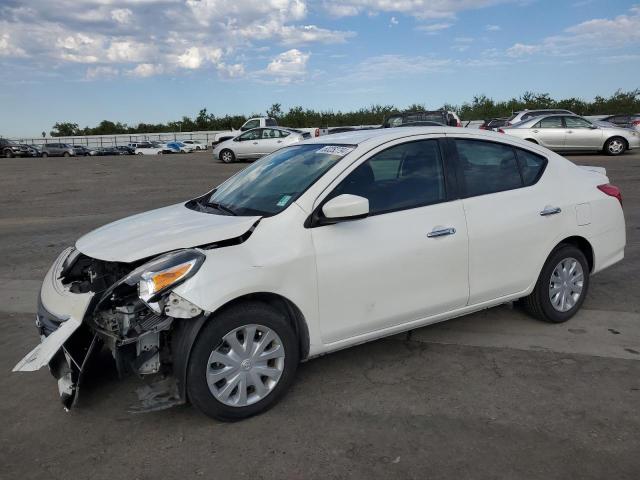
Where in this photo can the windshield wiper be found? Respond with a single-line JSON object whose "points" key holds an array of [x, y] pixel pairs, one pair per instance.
{"points": [[222, 208]]}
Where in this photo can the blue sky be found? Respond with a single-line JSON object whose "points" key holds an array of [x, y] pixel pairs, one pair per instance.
{"points": [[157, 60]]}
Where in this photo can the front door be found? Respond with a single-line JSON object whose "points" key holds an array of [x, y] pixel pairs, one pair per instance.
{"points": [[582, 135], [407, 260]]}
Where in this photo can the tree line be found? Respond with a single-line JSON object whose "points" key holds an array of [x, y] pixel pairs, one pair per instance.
{"points": [[479, 108]]}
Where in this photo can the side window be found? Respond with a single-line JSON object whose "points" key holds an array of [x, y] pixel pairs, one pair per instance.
{"points": [[405, 176], [487, 167], [252, 124], [283, 133], [576, 122], [551, 122], [270, 122], [531, 166], [251, 135]]}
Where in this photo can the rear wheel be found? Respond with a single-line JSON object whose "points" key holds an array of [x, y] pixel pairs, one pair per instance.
{"points": [[242, 362], [8, 153], [615, 146], [65, 154], [561, 287], [45, 154], [227, 156]]}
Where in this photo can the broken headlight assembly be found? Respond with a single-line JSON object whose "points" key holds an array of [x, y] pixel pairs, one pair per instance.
{"points": [[156, 278]]}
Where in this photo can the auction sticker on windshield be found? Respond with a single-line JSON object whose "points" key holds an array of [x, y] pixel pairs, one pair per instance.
{"points": [[340, 150]]}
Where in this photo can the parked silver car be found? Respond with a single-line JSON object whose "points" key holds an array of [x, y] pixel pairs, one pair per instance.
{"points": [[571, 132], [58, 150], [523, 115], [256, 143]]}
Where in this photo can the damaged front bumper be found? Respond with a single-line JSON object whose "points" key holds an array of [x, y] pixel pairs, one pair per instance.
{"points": [[86, 304]]}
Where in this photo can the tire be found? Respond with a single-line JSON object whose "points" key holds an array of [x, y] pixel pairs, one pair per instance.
{"points": [[615, 146], [45, 154], [140, 153], [65, 154], [8, 153], [539, 303], [242, 376], [227, 156]]}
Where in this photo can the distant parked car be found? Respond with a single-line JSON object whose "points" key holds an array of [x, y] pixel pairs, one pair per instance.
{"points": [[255, 143], [624, 121], [35, 150], [493, 124], [125, 150], [144, 144], [81, 150], [523, 115], [571, 132], [150, 149], [195, 144], [57, 150], [442, 117], [10, 149]]}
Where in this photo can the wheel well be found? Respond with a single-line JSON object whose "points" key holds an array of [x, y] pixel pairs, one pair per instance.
{"points": [[531, 140], [285, 306], [583, 245], [626, 144]]}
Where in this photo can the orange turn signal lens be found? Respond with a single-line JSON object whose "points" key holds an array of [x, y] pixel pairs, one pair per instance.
{"points": [[167, 277]]}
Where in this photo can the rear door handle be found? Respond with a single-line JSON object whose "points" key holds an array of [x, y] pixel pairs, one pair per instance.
{"points": [[550, 211], [441, 232]]}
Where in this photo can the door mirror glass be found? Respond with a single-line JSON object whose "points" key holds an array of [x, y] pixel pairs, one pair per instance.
{"points": [[346, 207]]}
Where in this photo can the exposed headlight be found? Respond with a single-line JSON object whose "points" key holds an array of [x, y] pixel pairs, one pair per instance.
{"points": [[158, 276]]}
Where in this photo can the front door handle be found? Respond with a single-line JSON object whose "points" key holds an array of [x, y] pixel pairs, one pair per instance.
{"points": [[550, 211], [441, 232], [279, 141], [535, 131], [255, 143]]}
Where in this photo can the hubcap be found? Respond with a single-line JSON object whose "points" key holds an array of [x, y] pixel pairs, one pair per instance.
{"points": [[616, 146], [565, 285], [226, 157], [246, 366]]}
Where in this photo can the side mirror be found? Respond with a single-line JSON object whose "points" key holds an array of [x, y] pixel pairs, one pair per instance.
{"points": [[345, 207], [237, 139]]}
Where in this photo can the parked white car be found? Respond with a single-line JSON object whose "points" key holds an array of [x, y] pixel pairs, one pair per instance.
{"points": [[255, 143], [194, 144], [149, 149], [320, 246], [573, 133]]}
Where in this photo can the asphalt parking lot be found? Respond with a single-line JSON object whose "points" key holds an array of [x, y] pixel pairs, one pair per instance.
{"points": [[492, 395]]}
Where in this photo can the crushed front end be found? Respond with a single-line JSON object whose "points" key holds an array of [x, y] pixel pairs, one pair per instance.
{"points": [[86, 304]]}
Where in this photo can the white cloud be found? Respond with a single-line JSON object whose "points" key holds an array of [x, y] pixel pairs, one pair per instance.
{"points": [[493, 28], [101, 73], [391, 66], [121, 15], [143, 37], [521, 49], [7, 49], [592, 36], [289, 66], [425, 9], [144, 70], [434, 28], [393, 21]]}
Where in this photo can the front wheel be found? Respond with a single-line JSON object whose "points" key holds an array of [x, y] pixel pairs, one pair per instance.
{"points": [[227, 156], [561, 287], [8, 153], [65, 154], [615, 146], [242, 362], [45, 154]]}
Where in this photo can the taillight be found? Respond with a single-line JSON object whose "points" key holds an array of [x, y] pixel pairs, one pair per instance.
{"points": [[635, 123], [501, 130], [459, 124], [317, 132], [611, 190]]}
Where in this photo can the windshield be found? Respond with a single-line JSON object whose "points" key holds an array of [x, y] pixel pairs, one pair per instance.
{"points": [[272, 183]]}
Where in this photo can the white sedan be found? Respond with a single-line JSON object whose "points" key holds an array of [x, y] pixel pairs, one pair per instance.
{"points": [[322, 245], [574, 133], [256, 143]]}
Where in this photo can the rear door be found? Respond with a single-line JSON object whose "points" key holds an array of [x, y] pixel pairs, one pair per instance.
{"points": [[503, 201], [580, 134], [550, 132]]}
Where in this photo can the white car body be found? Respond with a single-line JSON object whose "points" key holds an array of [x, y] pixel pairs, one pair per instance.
{"points": [[153, 150], [257, 142], [359, 280], [194, 144], [555, 133]]}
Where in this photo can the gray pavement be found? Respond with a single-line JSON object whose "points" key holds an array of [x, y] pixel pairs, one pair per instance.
{"points": [[491, 395]]}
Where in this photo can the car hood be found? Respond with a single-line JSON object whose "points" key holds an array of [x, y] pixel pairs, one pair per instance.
{"points": [[158, 231]]}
